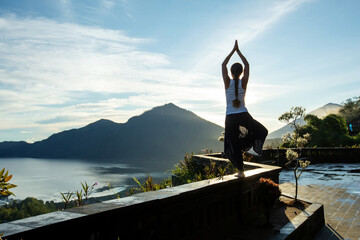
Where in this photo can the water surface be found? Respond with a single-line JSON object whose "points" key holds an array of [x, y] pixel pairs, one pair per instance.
{"points": [[46, 178]]}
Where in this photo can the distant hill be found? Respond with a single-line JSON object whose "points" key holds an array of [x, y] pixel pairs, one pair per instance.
{"points": [[157, 139], [320, 112]]}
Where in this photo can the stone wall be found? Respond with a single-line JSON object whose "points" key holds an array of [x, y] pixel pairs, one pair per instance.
{"points": [[208, 209]]}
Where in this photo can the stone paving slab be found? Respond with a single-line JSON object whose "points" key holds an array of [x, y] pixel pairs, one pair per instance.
{"points": [[342, 208]]}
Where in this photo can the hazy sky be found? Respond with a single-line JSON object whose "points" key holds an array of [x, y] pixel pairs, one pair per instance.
{"points": [[67, 63]]}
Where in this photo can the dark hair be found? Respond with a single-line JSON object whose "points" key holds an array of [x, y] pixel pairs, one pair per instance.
{"points": [[236, 70]]}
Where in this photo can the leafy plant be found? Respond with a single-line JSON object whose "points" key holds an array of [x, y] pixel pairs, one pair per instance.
{"points": [[87, 190], [4, 183], [210, 171], [78, 196], [188, 170], [267, 192], [149, 185], [165, 183], [185, 170], [198, 177], [221, 172], [294, 139], [66, 198], [131, 191], [116, 194]]}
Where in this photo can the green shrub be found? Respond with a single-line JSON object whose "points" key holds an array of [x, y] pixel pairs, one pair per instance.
{"points": [[4, 183], [149, 185], [26, 208], [187, 170]]}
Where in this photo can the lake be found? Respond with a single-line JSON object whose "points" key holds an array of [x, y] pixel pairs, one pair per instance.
{"points": [[46, 178]]}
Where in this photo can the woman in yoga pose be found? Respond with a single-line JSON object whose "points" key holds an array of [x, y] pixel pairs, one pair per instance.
{"points": [[241, 131]]}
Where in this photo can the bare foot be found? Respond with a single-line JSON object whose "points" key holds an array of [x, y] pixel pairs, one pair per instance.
{"points": [[240, 174]]}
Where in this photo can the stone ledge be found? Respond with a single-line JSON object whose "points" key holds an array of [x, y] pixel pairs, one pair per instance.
{"points": [[188, 211], [28, 224], [304, 226]]}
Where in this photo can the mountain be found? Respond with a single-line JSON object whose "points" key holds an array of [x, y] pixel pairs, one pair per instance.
{"points": [[157, 139], [320, 112], [330, 108]]}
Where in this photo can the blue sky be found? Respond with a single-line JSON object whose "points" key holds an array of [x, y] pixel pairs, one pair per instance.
{"points": [[67, 63]]}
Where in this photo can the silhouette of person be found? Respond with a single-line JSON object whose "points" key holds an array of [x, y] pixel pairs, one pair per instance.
{"points": [[242, 132]]}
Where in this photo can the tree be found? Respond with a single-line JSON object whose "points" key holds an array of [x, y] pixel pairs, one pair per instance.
{"points": [[26, 208], [350, 109], [328, 132], [292, 117], [295, 139], [293, 157]]}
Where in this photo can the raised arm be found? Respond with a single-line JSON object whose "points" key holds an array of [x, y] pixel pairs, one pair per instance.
{"points": [[245, 78], [225, 74]]}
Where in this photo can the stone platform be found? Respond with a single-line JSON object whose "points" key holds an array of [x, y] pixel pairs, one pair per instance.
{"points": [[341, 205]]}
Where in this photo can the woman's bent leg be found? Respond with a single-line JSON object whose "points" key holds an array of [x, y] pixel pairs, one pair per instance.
{"points": [[232, 143], [260, 133]]}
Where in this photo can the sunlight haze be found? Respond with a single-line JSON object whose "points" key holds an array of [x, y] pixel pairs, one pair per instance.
{"points": [[65, 64]]}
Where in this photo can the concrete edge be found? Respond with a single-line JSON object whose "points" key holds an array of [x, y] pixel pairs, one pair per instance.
{"points": [[36, 222], [304, 226], [45, 220]]}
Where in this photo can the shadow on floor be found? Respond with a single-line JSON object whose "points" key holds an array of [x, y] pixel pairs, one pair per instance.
{"points": [[327, 232]]}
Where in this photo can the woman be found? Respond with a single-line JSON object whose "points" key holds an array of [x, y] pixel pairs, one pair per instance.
{"points": [[241, 131]]}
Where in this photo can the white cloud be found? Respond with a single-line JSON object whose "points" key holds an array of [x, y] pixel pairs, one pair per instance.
{"points": [[244, 30], [66, 7], [271, 16], [108, 4], [44, 64], [127, 8]]}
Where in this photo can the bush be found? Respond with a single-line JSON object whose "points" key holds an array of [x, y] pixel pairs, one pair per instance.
{"points": [[268, 192], [26, 208], [4, 183], [187, 171], [149, 185]]}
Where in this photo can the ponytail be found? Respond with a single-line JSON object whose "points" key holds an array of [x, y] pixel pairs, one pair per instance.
{"points": [[236, 102], [236, 70]]}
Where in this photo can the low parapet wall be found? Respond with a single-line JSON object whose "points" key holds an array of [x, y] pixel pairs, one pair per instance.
{"points": [[207, 209], [316, 155]]}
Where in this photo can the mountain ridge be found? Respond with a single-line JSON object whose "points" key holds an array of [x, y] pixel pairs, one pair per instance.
{"points": [[319, 112], [157, 138]]}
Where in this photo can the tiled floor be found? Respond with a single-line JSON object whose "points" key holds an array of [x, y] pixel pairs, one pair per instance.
{"points": [[342, 207]]}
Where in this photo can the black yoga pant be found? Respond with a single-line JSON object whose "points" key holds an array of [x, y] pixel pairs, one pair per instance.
{"points": [[241, 133]]}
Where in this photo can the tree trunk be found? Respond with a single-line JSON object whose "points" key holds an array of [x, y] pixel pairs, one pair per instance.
{"points": [[296, 187], [296, 178]]}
